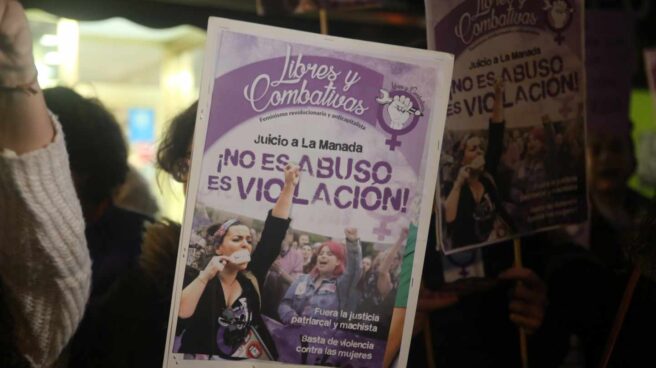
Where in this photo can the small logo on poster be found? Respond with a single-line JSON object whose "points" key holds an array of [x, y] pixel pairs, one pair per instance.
{"points": [[398, 113], [559, 16], [254, 350]]}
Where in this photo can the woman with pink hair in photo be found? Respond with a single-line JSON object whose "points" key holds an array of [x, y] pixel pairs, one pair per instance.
{"points": [[329, 285]]}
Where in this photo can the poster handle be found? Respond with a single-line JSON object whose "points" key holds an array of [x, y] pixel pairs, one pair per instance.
{"points": [[523, 346], [428, 342], [619, 316], [323, 20]]}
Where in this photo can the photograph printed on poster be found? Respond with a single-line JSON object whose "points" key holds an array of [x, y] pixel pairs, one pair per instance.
{"points": [[303, 282]]}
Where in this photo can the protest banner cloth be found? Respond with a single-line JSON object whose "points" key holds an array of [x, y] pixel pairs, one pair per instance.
{"points": [[499, 181], [346, 134]]}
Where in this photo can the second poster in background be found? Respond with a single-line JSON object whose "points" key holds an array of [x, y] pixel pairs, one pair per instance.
{"points": [[525, 173]]}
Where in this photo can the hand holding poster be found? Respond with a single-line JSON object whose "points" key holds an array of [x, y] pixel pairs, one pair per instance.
{"points": [[311, 154], [525, 172]]}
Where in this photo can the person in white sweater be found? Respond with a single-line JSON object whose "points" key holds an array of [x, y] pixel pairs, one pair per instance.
{"points": [[45, 270]]}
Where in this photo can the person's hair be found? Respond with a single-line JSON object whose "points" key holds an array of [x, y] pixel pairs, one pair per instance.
{"points": [[338, 250], [458, 153], [174, 146], [94, 140], [221, 231], [461, 146], [135, 195]]}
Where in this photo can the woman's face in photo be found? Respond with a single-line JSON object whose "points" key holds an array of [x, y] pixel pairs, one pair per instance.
{"points": [[307, 253], [366, 264], [326, 261], [396, 262], [534, 146], [237, 238], [473, 150]]}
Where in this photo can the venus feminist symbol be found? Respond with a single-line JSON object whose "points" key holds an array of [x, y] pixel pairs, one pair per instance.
{"points": [[559, 16], [397, 114]]}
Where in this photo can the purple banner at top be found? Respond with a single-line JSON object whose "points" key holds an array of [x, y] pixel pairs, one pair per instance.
{"points": [[475, 20], [284, 82]]}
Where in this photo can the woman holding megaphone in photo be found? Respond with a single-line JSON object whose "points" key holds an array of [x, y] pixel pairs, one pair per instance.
{"points": [[473, 210], [219, 315]]}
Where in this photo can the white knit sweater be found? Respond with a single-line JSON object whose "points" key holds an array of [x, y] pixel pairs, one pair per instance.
{"points": [[44, 261]]}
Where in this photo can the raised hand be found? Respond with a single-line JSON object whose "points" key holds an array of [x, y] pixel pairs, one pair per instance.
{"points": [[16, 60], [399, 111], [497, 108], [292, 175], [351, 233]]}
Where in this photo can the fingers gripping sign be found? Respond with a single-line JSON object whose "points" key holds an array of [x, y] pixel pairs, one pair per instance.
{"points": [[528, 300]]}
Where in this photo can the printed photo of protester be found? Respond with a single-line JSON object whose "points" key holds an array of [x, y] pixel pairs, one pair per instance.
{"points": [[510, 179], [315, 285], [222, 299]]}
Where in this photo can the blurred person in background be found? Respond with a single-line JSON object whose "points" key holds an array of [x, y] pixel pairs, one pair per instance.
{"points": [[135, 195], [590, 291], [98, 158], [131, 320]]}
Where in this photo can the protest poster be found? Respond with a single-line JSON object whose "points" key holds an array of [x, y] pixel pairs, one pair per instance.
{"points": [[525, 170], [344, 135]]}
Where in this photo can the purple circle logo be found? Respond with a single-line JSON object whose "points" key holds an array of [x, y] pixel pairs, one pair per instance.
{"points": [[398, 114], [559, 16]]}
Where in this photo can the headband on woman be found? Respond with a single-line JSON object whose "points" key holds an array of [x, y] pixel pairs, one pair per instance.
{"points": [[220, 232]]}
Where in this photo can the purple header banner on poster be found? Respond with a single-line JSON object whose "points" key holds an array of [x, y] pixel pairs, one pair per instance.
{"points": [[474, 21], [293, 81]]}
